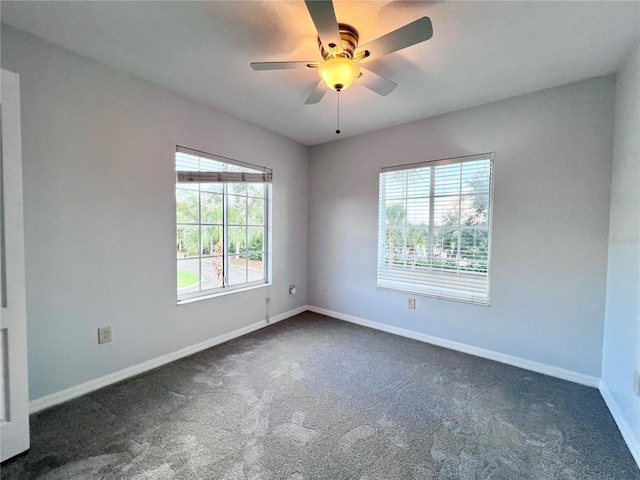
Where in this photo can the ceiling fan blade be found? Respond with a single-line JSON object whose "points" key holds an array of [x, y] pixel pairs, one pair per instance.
{"points": [[324, 18], [283, 65], [375, 82], [317, 93], [403, 37]]}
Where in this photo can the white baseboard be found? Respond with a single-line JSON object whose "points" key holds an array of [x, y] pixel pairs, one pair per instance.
{"points": [[632, 441], [627, 434], [550, 370], [70, 393], [92, 385]]}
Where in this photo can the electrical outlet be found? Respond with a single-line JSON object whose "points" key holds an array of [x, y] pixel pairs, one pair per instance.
{"points": [[411, 304], [104, 334], [636, 383], [292, 289]]}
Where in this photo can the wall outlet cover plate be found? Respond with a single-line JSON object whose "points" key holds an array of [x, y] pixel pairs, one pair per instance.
{"points": [[104, 334]]}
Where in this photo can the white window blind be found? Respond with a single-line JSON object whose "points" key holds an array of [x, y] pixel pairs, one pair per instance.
{"points": [[222, 223], [201, 167], [434, 228]]}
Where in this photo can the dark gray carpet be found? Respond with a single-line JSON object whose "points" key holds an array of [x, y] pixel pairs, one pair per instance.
{"points": [[317, 398]]}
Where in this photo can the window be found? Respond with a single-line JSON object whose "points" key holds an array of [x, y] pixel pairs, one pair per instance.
{"points": [[434, 228], [222, 223]]}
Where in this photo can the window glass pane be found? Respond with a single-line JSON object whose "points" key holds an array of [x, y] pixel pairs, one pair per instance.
{"points": [[212, 272], [188, 275], [237, 188], [188, 241], [211, 208], [237, 210], [255, 209], [237, 269], [447, 179], [418, 211], [239, 168], [394, 238], [212, 240], [212, 187], [475, 210], [237, 240], [395, 214], [415, 255], [187, 163], [255, 190], [255, 269], [256, 240], [474, 249], [186, 206], [476, 176], [419, 239], [418, 182], [394, 246], [188, 186], [446, 211], [394, 185], [445, 247]]}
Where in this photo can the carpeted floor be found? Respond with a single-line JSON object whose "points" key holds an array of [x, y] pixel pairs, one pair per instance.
{"points": [[317, 398]]}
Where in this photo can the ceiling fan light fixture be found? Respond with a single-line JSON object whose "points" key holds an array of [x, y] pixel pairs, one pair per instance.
{"points": [[339, 72]]}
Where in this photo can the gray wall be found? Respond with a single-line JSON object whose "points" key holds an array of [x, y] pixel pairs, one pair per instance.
{"points": [[551, 214], [99, 176], [98, 150], [621, 353]]}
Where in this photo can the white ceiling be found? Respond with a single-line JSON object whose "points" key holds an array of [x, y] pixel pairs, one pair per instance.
{"points": [[480, 52]]}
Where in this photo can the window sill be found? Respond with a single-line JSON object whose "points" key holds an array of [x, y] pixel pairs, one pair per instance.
{"points": [[222, 293], [469, 301]]}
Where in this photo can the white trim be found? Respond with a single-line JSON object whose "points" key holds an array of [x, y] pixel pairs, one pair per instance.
{"points": [[70, 393], [543, 368], [221, 293], [632, 441]]}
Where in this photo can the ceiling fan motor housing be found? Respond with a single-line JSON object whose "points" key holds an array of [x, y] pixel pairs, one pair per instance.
{"points": [[349, 37]]}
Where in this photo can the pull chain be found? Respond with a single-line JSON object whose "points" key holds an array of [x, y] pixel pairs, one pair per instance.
{"points": [[338, 117]]}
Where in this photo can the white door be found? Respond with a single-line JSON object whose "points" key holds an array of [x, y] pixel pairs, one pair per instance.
{"points": [[14, 395]]}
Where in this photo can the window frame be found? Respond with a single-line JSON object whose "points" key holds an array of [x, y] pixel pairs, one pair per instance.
{"points": [[255, 175], [443, 282]]}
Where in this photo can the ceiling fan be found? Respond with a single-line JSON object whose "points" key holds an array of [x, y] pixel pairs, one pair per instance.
{"points": [[338, 44]]}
